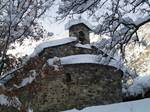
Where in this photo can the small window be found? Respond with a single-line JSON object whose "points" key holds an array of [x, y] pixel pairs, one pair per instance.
{"points": [[68, 77], [81, 34], [74, 34], [81, 37]]}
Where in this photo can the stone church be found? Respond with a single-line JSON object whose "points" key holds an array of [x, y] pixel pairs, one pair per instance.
{"points": [[82, 82]]}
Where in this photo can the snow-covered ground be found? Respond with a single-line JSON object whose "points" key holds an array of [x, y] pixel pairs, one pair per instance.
{"points": [[133, 106]]}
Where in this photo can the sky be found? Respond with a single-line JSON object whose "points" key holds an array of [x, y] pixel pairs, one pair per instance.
{"points": [[49, 23]]}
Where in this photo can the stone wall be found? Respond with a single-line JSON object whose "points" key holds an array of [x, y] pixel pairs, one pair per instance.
{"points": [[80, 31], [65, 50], [80, 85], [73, 86]]}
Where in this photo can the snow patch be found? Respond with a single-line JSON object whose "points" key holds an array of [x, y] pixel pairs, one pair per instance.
{"points": [[10, 101], [76, 59], [93, 59], [87, 46], [79, 21], [140, 85], [30, 110], [132, 106], [7, 76], [28, 80]]}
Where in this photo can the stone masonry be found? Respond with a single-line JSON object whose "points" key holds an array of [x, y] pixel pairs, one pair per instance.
{"points": [[65, 50], [81, 31], [80, 85]]}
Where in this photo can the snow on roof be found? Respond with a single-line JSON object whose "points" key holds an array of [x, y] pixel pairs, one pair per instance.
{"points": [[90, 58], [131, 106], [87, 46], [78, 21], [52, 43], [76, 59]]}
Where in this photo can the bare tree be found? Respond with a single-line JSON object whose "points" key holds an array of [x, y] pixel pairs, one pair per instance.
{"points": [[120, 19], [18, 19]]}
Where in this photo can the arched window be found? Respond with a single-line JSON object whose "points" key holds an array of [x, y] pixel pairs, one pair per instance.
{"points": [[68, 77], [81, 37]]}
